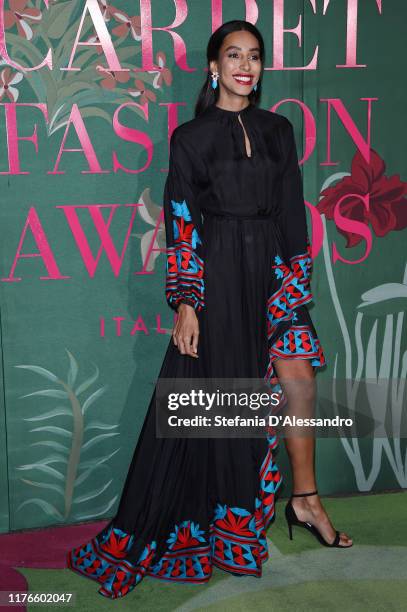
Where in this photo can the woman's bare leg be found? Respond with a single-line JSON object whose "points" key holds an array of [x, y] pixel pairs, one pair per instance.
{"points": [[297, 379]]}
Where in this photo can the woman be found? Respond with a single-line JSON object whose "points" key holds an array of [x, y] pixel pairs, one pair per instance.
{"points": [[238, 268]]}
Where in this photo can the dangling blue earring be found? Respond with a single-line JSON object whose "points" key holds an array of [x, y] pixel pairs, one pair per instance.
{"points": [[255, 87], [215, 80]]}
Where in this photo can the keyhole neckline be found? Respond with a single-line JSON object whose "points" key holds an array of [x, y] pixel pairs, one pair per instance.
{"points": [[232, 118]]}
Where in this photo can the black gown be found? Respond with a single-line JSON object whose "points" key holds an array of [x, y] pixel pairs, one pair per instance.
{"points": [[238, 252]]}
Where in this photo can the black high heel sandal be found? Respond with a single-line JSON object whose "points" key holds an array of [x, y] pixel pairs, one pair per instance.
{"points": [[292, 519]]}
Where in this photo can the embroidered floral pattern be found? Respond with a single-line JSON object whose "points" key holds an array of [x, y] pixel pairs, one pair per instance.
{"points": [[294, 290], [185, 268], [299, 341], [104, 559], [236, 542], [301, 265]]}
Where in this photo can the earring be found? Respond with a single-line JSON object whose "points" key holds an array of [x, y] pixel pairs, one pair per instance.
{"points": [[215, 76], [255, 87]]}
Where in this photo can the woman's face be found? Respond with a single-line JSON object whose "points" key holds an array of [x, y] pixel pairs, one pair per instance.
{"points": [[239, 58]]}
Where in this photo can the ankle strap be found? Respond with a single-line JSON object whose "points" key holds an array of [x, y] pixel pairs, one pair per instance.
{"points": [[304, 494]]}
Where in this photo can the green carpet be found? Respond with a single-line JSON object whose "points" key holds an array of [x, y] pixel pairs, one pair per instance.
{"points": [[339, 595], [300, 574]]}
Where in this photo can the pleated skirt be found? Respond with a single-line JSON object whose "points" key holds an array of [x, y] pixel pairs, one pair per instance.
{"points": [[189, 504]]}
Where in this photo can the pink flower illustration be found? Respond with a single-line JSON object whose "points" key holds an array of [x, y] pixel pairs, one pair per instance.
{"points": [[127, 24], [163, 74], [145, 94], [387, 203], [18, 15], [7, 80], [107, 12], [105, 9], [112, 78]]}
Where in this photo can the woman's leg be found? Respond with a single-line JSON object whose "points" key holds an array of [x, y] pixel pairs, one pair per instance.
{"points": [[297, 379]]}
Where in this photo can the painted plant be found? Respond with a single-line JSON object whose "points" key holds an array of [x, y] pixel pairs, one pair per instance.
{"points": [[32, 29], [67, 471], [380, 314]]}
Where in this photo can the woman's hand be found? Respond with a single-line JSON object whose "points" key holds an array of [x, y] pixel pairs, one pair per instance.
{"points": [[186, 331]]}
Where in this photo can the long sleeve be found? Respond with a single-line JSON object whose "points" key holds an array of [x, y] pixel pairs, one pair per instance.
{"points": [[292, 214], [183, 229]]}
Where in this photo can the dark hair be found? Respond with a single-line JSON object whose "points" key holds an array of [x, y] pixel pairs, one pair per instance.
{"points": [[208, 96]]}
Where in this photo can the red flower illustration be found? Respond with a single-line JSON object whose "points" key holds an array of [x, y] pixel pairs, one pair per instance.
{"points": [[18, 15], [387, 202], [185, 539], [116, 545], [184, 231], [235, 523]]}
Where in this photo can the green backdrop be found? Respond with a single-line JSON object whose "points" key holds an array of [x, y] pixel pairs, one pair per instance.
{"points": [[84, 322]]}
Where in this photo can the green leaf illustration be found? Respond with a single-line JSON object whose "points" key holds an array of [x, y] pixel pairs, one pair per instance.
{"points": [[97, 439], [92, 494], [100, 512], [44, 485], [73, 369], [44, 505], [59, 411], [39, 370], [57, 430]]}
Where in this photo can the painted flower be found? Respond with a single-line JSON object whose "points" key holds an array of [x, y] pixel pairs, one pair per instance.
{"points": [[163, 73], [112, 78], [7, 80], [387, 203], [106, 10], [141, 91], [18, 16], [127, 25]]}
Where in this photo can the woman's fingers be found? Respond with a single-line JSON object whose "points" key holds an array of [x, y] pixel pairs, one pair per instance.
{"points": [[182, 345], [186, 331], [195, 338], [185, 344], [190, 346]]}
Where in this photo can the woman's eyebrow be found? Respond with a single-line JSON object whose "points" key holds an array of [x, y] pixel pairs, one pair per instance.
{"points": [[235, 47]]}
